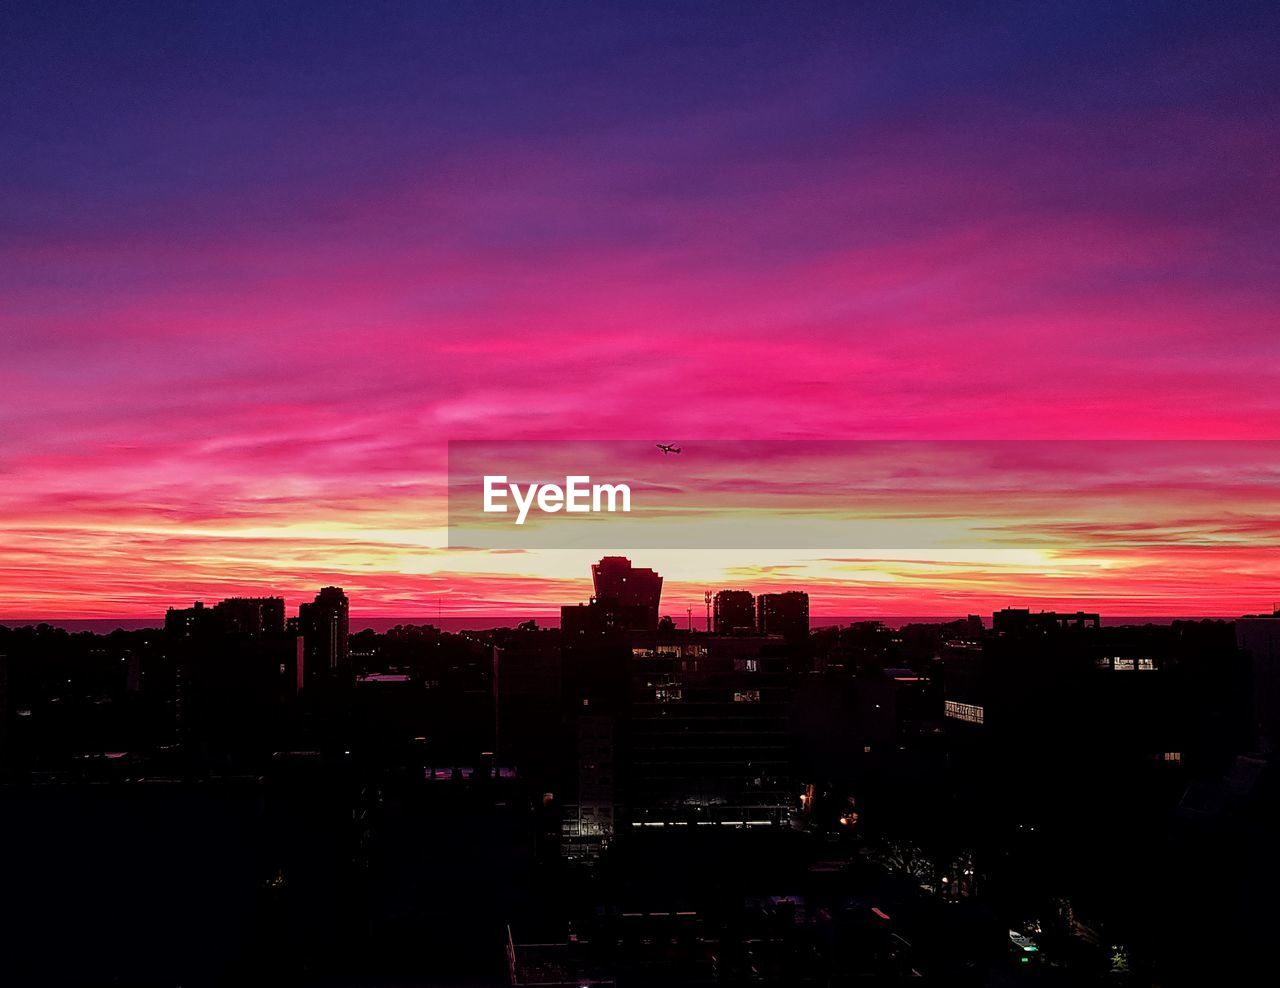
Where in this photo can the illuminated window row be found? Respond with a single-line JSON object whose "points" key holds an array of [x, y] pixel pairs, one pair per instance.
{"points": [[969, 712]]}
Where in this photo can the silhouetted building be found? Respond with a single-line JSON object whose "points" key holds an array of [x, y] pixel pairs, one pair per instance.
{"points": [[1018, 620], [1033, 678], [593, 691], [1259, 637], [704, 731], [1061, 694], [588, 823], [234, 691], [392, 716], [636, 592], [324, 625], [4, 712], [673, 727], [235, 615], [735, 612], [527, 692], [250, 615], [785, 614], [594, 618], [187, 622]]}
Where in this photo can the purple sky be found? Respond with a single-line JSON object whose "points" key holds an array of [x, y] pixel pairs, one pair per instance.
{"points": [[260, 262]]}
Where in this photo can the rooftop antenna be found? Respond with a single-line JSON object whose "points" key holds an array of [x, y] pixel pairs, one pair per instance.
{"points": [[440, 604], [689, 611], [706, 596]]}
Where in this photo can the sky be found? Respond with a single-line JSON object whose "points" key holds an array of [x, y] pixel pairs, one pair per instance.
{"points": [[260, 263]]}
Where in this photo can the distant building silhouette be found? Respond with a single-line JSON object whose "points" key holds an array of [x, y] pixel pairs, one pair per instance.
{"points": [[636, 592], [187, 622], [251, 615], [1019, 620], [324, 625], [235, 615], [594, 618], [785, 614], [735, 611]]}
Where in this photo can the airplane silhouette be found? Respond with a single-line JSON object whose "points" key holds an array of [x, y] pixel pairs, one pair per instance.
{"points": [[668, 448]]}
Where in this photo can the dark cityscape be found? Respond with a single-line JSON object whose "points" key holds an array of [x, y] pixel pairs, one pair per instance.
{"points": [[639, 493], [245, 796]]}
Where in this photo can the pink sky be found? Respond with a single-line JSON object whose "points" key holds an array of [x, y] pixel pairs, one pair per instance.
{"points": [[251, 290]]}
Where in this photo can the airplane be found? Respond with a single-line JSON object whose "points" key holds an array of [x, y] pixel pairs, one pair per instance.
{"points": [[668, 448]]}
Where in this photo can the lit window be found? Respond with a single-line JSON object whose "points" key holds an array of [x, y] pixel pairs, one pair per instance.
{"points": [[1146, 664], [1173, 756], [1126, 664], [746, 696], [969, 712]]}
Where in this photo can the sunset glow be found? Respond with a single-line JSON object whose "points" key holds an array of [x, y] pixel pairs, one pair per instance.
{"points": [[239, 333]]}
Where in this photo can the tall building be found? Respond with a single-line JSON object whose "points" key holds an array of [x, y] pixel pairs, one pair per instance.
{"points": [[735, 611], [325, 625], [704, 731], [635, 592], [594, 647], [588, 823], [785, 614], [593, 650], [527, 691]]}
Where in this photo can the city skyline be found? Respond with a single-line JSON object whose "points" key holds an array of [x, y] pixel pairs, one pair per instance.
{"points": [[684, 611], [639, 493]]}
